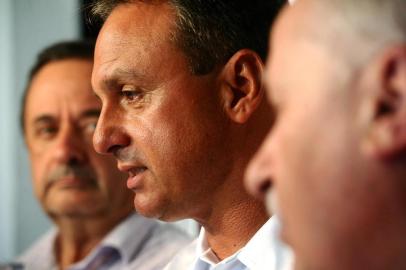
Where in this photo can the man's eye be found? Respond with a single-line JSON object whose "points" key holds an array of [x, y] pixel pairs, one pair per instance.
{"points": [[130, 93], [46, 132], [90, 127]]}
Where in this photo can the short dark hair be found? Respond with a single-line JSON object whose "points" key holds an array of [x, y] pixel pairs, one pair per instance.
{"points": [[209, 32], [80, 49]]}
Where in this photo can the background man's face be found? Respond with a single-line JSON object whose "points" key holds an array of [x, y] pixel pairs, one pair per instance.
{"points": [[165, 126], [70, 178]]}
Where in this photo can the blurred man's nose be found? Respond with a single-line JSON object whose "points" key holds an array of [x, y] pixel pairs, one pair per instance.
{"points": [[109, 135], [258, 176], [70, 146]]}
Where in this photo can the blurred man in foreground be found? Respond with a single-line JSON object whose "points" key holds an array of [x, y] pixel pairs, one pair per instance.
{"points": [[183, 112], [336, 154], [81, 191]]}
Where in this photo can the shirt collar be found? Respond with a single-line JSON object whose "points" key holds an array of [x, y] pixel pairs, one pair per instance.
{"points": [[205, 255], [136, 226], [203, 250], [266, 250], [263, 251], [50, 248]]}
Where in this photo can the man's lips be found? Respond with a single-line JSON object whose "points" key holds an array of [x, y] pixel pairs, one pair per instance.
{"points": [[135, 178], [135, 175], [73, 182]]}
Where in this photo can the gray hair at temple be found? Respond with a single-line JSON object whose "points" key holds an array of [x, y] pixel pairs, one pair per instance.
{"points": [[358, 29], [209, 32]]}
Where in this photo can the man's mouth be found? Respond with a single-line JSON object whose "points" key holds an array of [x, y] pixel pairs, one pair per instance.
{"points": [[135, 177], [71, 177], [74, 182], [135, 171], [135, 174]]}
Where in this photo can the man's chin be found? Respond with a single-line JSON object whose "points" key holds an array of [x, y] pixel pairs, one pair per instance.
{"points": [[69, 209], [75, 213], [151, 208]]}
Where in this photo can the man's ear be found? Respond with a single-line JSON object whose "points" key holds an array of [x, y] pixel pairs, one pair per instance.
{"points": [[242, 87], [386, 136]]}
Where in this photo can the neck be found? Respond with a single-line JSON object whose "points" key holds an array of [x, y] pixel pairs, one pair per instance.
{"points": [[78, 236], [230, 230], [235, 216]]}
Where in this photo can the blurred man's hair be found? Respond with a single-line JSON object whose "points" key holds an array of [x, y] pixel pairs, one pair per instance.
{"points": [[357, 30]]}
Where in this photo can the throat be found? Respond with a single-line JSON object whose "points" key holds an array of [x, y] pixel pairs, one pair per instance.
{"points": [[228, 234]]}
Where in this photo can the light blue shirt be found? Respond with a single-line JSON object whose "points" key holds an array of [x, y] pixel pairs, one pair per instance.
{"points": [[142, 244], [265, 251]]}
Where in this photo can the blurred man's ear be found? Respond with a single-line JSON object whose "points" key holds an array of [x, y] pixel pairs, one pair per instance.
{"points": [[386, 137], [241, 85]]}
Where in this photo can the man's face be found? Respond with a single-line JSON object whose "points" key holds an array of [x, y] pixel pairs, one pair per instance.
{"points": [[70, 178], [311, 156], [165, 126]]}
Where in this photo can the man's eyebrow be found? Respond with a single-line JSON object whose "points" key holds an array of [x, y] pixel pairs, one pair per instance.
{"points": [[120, 75], [90, 113], [45, 118]]}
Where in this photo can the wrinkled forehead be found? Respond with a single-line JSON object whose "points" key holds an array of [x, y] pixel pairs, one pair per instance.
{"points": [[297, 26], [66, 77], [132, 32], [297, 51], [135, 23], [282, 38], [63, 81], [296, 19]]}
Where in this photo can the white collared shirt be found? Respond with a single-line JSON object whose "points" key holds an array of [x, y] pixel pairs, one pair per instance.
{"points": [[142, 243], [264, 251]]}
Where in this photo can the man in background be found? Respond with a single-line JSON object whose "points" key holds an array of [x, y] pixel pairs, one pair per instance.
{"points": [[183, 112], [81, 191], [336, 154]]}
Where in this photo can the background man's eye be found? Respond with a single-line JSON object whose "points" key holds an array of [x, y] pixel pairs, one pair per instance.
{"points": [[90, 127], [46, 132]]}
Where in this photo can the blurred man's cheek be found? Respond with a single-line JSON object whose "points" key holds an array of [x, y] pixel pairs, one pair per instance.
{"points": [[271, 202]]}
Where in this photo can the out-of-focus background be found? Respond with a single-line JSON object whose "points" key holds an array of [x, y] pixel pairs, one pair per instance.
{"points": [[26, 27]]}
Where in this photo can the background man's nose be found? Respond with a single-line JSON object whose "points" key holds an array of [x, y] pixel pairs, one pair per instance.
{"points": [[70, 147]]}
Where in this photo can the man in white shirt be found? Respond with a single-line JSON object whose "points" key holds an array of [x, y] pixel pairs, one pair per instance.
{"points": [[336, 154], [263, 251], [183, 112], [81, 191]]}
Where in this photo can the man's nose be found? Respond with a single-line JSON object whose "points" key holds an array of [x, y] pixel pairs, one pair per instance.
{"points": [[70, 146], [109, 135], [258, 176]]}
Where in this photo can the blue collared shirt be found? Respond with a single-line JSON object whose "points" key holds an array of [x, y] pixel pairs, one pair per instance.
{"points": [[142, 244]]}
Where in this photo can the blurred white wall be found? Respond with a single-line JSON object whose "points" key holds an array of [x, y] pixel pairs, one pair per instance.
{"points": [[26, 27], [7, 172]]}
